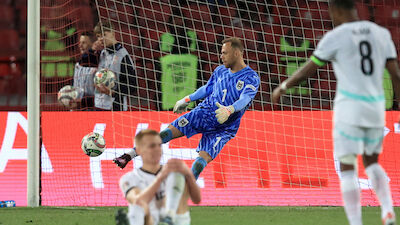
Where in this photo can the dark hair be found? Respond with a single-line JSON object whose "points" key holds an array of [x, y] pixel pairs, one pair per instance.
{"points": [[89, 34], [235, 43], [106, 25], [147, 132], [343, 4]]}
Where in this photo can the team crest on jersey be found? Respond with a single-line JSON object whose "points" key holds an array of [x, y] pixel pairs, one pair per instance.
{"points": [[183, 122], [239, 85]]}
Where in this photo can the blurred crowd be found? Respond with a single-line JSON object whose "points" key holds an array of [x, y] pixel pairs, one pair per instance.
{"points": [[278, 36]]}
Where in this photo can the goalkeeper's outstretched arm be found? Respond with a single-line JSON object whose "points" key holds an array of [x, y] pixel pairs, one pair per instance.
{"points": [[202, 92]]}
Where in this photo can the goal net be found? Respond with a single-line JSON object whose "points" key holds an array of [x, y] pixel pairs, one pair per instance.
{"points": [[281, 155]]}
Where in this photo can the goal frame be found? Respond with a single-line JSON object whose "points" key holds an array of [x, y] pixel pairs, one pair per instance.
{"points": [[33, 103]]}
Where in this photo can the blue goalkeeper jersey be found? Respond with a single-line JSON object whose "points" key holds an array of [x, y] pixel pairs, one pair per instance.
{"points": [[227, 88], [236, 89]]}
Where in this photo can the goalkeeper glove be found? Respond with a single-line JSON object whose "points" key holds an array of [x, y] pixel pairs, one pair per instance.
{"points": [[223, 112], [181, 105]]}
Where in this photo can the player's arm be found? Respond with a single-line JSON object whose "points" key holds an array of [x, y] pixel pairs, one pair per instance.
{"points": [[202, 92], [179, 166], [393, 67], [248, 93], [301, 74], [193, 188], [246, 96], [325, 52], [135, 195]]}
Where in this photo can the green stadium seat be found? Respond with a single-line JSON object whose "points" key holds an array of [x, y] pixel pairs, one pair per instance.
{"points": [[57, 66]]}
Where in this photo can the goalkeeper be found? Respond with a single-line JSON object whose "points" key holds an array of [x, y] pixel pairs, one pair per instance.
{"points": [[227, 95]]}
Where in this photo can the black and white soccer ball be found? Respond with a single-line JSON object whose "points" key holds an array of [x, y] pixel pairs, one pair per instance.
{"points": [[67, 96], [106, 77], [93, 144]]}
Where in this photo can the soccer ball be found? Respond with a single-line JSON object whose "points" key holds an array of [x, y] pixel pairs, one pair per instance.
{"points": [[68, 95], [106, 77], [93, 144]]}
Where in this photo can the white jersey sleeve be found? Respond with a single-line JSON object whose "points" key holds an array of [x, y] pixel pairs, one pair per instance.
{"points": [[141, 179], [391, 52], [128, 181], [327, 47]]}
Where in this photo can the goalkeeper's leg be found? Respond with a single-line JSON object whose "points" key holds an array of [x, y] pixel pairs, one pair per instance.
{"points": [[166, 135], [210, 146], [200, 163]]}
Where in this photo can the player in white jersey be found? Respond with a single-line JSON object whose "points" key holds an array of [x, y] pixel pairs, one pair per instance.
{"points": [[158, 194], [359, 52]]}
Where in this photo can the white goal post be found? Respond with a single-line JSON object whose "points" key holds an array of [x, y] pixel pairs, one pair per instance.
{"points": [[33, 80]]}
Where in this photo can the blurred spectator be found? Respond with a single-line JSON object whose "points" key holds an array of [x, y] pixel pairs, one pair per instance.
{"points": [[55, 60], [179, 66], [117, 59], [85, 69], [294, 49]]}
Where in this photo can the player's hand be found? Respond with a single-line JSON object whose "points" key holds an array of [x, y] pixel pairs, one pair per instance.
{"points": [[278, 92], [181, 105], [185, 170], [98, 45], [173, 165], [223, 112], [103, 89], [165, 170], [276, 95], [180, 167]]}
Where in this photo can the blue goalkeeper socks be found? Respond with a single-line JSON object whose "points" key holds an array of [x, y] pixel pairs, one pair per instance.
{"points": [[198, 165], [166, 135]]}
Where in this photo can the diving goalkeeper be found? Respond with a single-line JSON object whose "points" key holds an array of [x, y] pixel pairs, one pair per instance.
{"points": [[227, 95]]}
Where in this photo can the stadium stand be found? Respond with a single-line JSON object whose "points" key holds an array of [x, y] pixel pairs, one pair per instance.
{"points": [[210, 29]]}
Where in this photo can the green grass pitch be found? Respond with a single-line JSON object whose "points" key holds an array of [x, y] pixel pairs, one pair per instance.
{"points": [[258, 215]]}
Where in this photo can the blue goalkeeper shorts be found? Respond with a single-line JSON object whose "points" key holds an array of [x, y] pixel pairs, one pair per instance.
{"points": [[214, 136]]}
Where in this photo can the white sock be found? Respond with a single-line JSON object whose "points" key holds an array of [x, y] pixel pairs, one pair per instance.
{"points": [[132, 153], [175, 186], [379, 181], [351, 196], [136, 215]]}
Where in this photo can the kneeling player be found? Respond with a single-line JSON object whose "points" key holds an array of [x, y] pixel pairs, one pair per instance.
{"points": [[158, 194], [228, 94]]}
